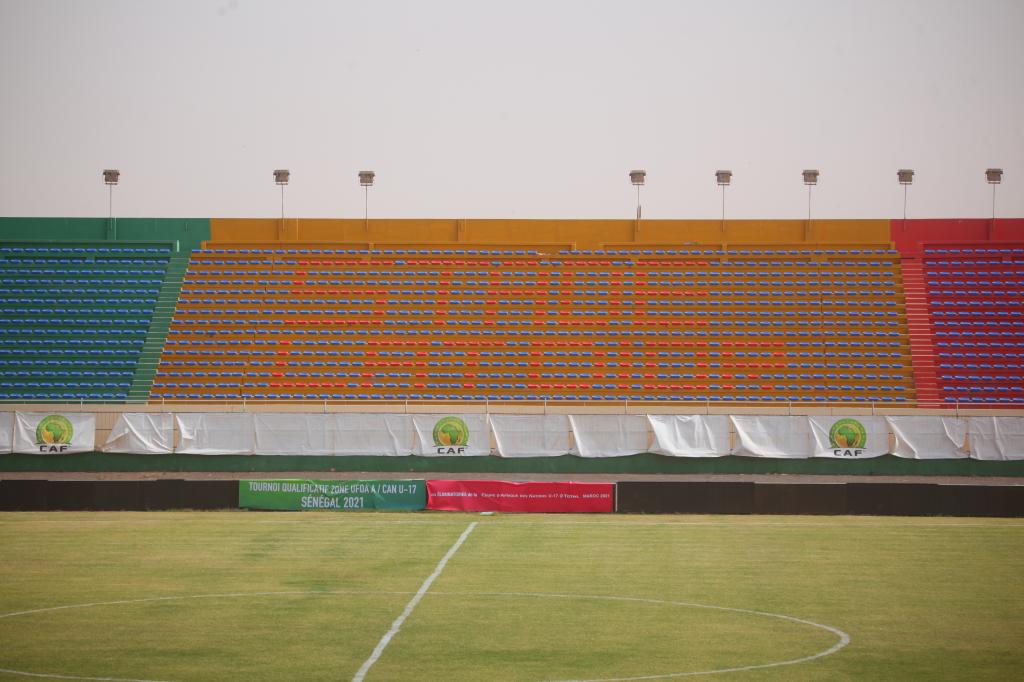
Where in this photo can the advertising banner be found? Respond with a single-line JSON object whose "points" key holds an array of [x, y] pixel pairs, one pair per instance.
{"points": [[678, 435], [141, 433], [6, 432], [452, 435], [299, 495], [849, 437], [531, 435], [999, 438], [333, 434], [44, 433], [610, 435], [929, 437], [770, 436], [215, 433], [531, 496]]}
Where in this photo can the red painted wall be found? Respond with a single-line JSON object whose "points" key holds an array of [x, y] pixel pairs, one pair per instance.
{"points": [[909, 236]]}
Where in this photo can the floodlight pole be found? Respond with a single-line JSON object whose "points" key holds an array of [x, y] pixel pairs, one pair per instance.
{"points": [[723, 208], [905, 176], [111, 177], [994, 176], [807, 231], [637, 178], [810, 179], [281, 177], [723, 178], [366, 181]]}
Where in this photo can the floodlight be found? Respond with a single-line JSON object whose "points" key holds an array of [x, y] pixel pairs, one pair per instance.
{"points": [[994, 176], [366, 182], [637, 177]]}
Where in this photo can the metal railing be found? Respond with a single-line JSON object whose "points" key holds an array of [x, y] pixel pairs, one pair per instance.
{"points": [[228, 404]]}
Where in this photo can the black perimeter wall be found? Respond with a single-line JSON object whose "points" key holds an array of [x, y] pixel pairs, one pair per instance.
{"points": [[640, 497]]}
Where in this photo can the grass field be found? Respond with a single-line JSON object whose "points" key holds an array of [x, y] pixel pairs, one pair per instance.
{"points": [[308, 596]]}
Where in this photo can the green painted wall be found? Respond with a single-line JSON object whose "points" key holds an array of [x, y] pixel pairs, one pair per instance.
{"points": [[188, 232], [635, 464]]}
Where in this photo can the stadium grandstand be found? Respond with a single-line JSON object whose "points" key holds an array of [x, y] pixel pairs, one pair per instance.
{"points": [[909, 313], [223, 319]]}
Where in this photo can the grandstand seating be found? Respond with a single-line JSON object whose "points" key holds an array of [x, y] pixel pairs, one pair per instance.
{"points": [[76, 317], [974, 295], [800, 323]]}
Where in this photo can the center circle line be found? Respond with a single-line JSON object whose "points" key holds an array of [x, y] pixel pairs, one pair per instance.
{"points": [[843, 637]]}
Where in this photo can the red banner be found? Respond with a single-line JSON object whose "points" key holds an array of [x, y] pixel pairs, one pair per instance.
{"points": [[532, 496]]}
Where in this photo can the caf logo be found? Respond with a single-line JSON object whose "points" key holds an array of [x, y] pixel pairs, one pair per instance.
{"points": [[847, 438], [451, 436], [54, 433]]}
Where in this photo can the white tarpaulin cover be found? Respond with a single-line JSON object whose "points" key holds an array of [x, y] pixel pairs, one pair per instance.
{"points": [[141, 433], [333, 434], [997, 437], [6, 432], [681, 435], [215, 433], [610, 435], [770, 436], [849, 437], [452, 434], [531, 435], [50, 433], [929, 437]]}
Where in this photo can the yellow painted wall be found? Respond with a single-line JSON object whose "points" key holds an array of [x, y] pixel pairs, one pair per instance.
{"points": [[582, 234]]}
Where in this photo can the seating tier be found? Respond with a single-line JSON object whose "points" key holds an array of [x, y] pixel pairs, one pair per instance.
{"points": [[74, 318], [686, 324]]}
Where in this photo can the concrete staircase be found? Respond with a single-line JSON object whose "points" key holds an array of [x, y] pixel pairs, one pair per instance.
{"points": [[149, 358], [922, 348]]}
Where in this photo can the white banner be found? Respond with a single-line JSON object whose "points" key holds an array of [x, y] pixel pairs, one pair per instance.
{"points": [[52, 434], [610, 435], [6, 432], [532, 435], [997, 437], [849, 437], [333, 434], [929, 437], [695, 435], [452, 434], [769, 436], [141, 433], [215, 433]]}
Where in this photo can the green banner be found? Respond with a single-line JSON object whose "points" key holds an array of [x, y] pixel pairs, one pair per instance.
{"points": [[302, 495]]}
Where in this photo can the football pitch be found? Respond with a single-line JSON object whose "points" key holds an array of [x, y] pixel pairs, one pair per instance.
{"points": [[222, 596]]}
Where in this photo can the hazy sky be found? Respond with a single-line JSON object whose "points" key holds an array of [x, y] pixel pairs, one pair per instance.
{"points": [[524, 109]]}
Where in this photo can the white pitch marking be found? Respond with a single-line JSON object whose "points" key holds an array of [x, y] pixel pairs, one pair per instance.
{"points": [[120, 602], [844, 638], [750, 524], [71, 677], [397, 625]]}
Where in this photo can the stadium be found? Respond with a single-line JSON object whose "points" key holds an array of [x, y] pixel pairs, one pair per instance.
{"points": [[542, 397], [782, 369]]}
